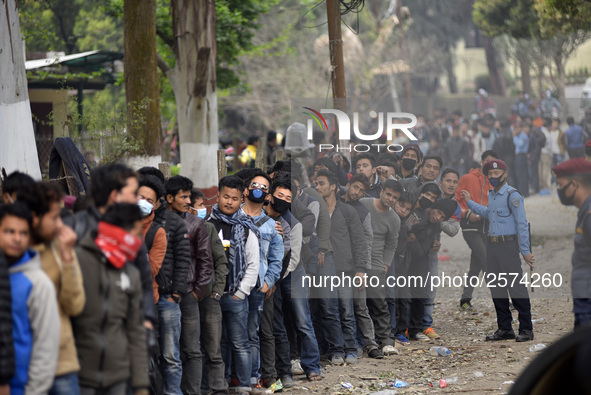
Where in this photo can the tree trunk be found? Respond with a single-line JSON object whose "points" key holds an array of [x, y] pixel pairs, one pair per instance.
{"points": [[558, 60], [525, 65], [193, 81], [141, 75], [18, 150], [495, 68], [451, 74]]}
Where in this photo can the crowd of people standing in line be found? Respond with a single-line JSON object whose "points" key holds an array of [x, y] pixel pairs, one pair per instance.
{"points": [[141, 271]]}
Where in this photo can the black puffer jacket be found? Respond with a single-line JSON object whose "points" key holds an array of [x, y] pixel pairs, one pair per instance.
{"points": [[175, 271], [6, 341]]}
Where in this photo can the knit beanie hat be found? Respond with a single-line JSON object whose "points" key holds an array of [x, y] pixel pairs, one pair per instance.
{"points": [[447, 206]]}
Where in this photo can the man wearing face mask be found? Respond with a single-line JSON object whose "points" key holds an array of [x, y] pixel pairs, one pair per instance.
{"points": [[258, 184], [178, 199], [474, 227], [507, 236], [172, 284], [150, 191], [410, 160], [198, 203], [574, 188]]}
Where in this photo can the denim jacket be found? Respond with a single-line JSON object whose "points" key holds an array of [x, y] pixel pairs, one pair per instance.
{"points": [[271, 251]]}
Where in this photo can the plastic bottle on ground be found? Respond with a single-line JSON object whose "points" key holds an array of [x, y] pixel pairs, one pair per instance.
{"points": [[439, 351]]}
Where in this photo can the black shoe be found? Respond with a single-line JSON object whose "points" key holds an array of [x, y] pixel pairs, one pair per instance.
{"points": [[501, 334], [525, 336], [375, 354]]}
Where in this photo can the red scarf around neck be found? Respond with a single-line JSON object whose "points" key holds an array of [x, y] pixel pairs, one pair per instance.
{"points": [[116, 244]]}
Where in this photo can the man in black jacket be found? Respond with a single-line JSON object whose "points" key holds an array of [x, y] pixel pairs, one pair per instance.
{"points": [[178, 199]]}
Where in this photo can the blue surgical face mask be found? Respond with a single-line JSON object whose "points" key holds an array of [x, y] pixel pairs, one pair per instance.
{"points": [[145, 207], [202, 213]]}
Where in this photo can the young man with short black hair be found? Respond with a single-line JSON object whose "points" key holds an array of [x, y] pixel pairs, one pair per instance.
{"points": [[178, 194], [258, 186], [240, 236], [351, 251], [355, 191], [365, 163], [423, 242], [428, 171], [54, 242], [385, 225], [291, 292], [35, 317]]}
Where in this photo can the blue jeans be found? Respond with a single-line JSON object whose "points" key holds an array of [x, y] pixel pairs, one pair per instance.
{"points": [[190, 348], [169, 329], [430, 301], [325, 313], [347, 316], [235, 344], [255, 310], [213, 380], [391, 298], [66, 384], [295, 297]]}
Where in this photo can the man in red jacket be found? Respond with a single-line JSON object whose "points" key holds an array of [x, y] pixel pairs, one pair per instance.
{"points": [[474, 227]]}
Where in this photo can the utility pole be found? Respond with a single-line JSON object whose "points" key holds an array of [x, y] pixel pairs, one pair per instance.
{"points": [[404, 50], [337, 62]]}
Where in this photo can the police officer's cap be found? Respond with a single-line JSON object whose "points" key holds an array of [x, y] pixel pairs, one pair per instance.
{"points": [[572, 167], [494, 164]]}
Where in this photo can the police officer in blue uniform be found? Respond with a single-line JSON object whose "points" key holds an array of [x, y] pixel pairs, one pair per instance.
{"points": [[508, 235], [574, 188]]}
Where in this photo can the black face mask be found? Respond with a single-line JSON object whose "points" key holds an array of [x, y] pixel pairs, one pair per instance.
{"points": [[425, 203], [567, 201], [408, 163], [256, 195], [280, 205]]}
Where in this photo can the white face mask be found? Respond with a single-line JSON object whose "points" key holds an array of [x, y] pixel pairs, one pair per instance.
{"points": [[202, 213], [145, 206]]}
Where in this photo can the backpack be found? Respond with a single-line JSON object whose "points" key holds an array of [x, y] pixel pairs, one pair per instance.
{"points": [[151, 234], [540, 137]]}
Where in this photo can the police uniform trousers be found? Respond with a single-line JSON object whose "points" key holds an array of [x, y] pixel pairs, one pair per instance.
{"points": [[503, 258]]}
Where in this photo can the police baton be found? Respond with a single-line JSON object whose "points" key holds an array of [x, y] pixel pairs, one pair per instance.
{"points": [[531, 269]]}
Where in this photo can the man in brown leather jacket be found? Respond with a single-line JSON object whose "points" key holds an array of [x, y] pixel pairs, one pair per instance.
{"points": [[178, 197]]}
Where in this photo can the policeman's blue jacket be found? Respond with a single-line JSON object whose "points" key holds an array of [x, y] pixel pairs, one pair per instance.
{"points": [[505, 222]]}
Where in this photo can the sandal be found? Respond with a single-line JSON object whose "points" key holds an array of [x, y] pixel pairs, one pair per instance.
{"points": [[315, 377]]}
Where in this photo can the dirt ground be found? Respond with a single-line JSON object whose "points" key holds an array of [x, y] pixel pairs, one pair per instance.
{"points": [[479, 366]]}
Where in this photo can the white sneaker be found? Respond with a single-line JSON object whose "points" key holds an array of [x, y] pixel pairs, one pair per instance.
{"points": [[419, 336], [390, 350], [296, 367]]}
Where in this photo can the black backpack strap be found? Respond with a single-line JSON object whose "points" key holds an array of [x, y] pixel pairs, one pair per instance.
{"points": [[151, 234], [261, 221], [509, 200]]}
